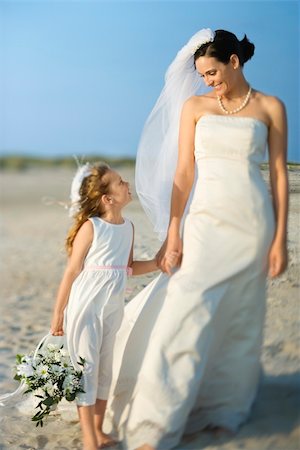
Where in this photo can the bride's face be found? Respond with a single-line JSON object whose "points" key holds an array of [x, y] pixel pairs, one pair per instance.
{"points": [[221, 77]]}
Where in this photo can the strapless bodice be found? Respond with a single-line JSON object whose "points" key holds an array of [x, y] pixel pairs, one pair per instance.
{"points": [[230, 137], [228, 153]]}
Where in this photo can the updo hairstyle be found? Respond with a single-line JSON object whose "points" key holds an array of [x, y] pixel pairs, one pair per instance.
{"points": [[224, 45]]}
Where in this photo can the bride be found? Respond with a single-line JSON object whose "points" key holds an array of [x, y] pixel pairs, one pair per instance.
{"points": [[187, 356]]}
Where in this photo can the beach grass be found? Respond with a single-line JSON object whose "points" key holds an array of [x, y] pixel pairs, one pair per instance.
{"points": [[291, 165], [20, 162]]}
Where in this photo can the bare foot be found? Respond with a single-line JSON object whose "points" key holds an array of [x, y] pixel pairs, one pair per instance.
{"points": [[104, 440]]}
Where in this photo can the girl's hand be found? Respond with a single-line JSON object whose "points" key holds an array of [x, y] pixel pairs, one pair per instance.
{"points": [[57, 325], [277, 259], [160, 254]]}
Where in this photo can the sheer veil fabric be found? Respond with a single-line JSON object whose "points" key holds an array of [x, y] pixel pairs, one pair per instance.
{"points": [[158, 147]]}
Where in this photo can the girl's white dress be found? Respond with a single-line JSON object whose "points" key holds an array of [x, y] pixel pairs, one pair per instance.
{"points": [[96, 303], [93, 316], [188, 352]]}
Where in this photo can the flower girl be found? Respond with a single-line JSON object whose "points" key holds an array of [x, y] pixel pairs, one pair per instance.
{"points": [[90, 299]]}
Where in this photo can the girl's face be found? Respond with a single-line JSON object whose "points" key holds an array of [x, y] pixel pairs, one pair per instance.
{"points": [[221, 77], [119, 190]]}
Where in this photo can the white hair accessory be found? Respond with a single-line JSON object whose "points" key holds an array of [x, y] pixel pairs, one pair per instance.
{"points": [[82, 172], [158, 149], [202, 37]]}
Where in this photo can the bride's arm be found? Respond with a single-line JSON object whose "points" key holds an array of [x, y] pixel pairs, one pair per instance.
{"points": [[279, 184], [182, 184]]}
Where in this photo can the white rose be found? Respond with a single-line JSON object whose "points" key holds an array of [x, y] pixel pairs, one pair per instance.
{"points": [[56, 369], [50, 388], [57, 357], [25, 370], [68, 384], [28, 359], [63, 352], [67, 381]]}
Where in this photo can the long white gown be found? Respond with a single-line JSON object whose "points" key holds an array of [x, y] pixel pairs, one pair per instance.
{"points": [[188, 352]]}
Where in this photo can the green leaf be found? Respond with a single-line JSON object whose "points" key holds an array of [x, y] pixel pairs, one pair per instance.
{"points": [[70, 397], [39, 413], [17, 377], [81, 361], [19, 358], [40, 422], [49, 401]]}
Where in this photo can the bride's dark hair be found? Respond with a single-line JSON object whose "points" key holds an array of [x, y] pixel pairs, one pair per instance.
{"points": [[224, 45]]}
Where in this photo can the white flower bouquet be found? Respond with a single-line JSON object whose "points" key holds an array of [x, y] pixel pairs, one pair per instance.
{"points": [[50, 376]]}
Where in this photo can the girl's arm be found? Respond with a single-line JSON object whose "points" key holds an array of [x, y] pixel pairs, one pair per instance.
{"points": [[182, 185], [81, 245], [279, 185], [141, 267]]}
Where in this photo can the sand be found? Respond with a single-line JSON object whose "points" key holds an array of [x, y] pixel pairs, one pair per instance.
{"points": [[33, 227]]}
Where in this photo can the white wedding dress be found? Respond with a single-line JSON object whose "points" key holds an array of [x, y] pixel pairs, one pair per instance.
{"points": [[188, 352]]}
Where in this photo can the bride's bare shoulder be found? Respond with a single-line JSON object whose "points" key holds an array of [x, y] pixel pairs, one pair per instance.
{"points": [[269, 104], [198, 104], [266, 99], [203, 99]]}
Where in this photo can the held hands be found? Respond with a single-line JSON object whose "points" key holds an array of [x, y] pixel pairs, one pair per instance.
{"points": [[277, 259], [170, 254], [57, 325]]}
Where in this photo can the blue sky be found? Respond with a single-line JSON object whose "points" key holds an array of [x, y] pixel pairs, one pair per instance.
{"points": [[80, 77]]}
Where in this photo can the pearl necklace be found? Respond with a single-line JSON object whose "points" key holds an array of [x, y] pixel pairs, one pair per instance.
{"points": [[233, 111]]}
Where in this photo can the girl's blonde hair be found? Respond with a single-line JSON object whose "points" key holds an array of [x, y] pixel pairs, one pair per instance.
{"points": [[92, 188]]}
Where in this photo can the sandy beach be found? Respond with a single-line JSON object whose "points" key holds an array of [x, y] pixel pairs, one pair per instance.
{"points": [[33, 227]]}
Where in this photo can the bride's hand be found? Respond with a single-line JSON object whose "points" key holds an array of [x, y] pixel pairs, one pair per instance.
{"points": [[171, 259], [173, 254], [277, 259]]}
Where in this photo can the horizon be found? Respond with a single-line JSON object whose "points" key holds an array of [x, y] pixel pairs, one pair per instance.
{"points": [[7, 159]]}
